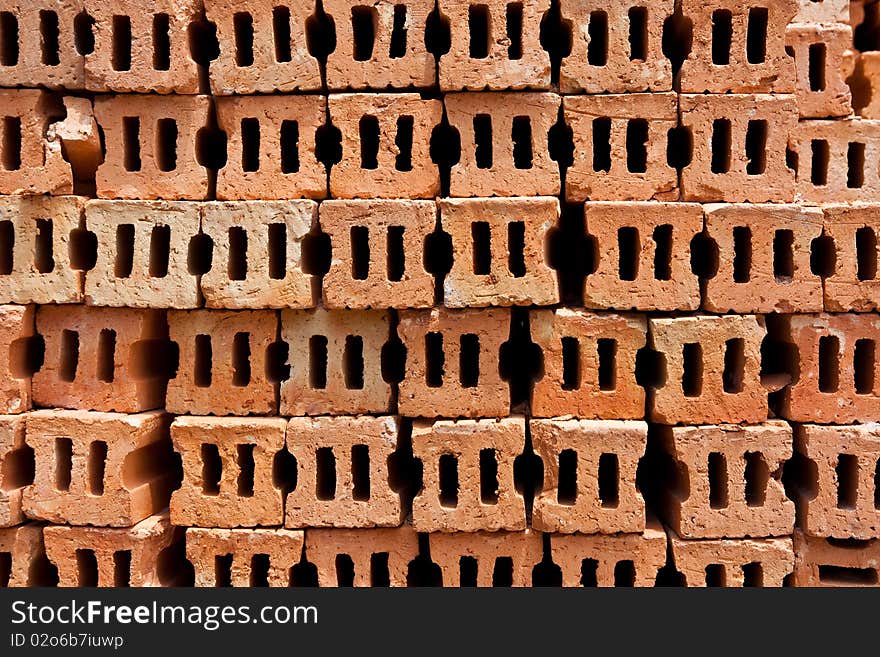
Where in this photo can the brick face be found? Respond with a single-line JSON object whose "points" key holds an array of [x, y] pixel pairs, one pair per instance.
{"points": [[824, 59], [853, 284], [243, 557], [374, 554], [23, 547], [16, 469], [486, 559], [16, 330], [752, 562]]}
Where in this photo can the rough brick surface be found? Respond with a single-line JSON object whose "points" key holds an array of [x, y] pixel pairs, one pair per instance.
{"points": [[486, 559], [27, 561], [853, 284], [869, 65], [824, 59], [751, 562], [819, 562], [375, 554], [824, 11], [243, 492], [517, 272], [243, 557], [16, 469], [16, 332]]}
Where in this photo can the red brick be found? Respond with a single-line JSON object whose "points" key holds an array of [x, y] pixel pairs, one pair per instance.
{"points": [[734, 563], [344, 376], [736, 173], [263, 270], [853, 283], [80, 139], [355, 500], [826, 11], [712, 396], [584, 391], [483, 499], [230, 557], [440, 387], [16, 332], [101, 359], [495, 556], [868, 66], [242, 493], [498, 171], [660, 276], [391, 174], [385, 276], [16, 469], [271, 147], [637, 167], [822, 91], [372, 553], [23, 547], [589, 507], [500, 283], [220, 373], [764, 259], [819, 562]]}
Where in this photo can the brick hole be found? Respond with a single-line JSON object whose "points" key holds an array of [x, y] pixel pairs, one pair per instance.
{"points": [[250, 144], [722, 36], [820, 156], [469, 360], [397, 46], [571, 364], [44, 262], [817, 63], [438, 38], [606, 349], [651, 371], [131, 143], [528, 474], [316, 253], [483, 141], [625, 574], [555, 38], [160, 251], [404, 471], [241, 360], [829, 363], [121, 53], [243, 27], [516, 244], [753, 574], [589, 573], [281, 34], [662, 237], [678, 36], [360, 472], [502, 573], [445, 151], [18, 469], [734, 365], [325, 474], [380, 577], [161, 43], [124, 261], [421, 571], [69, 356], [742, 254], [63, 463], [560, 144], [866, 35], [223, 570], [211, 145], [289, 142], [717, 469], [844, 576], [236, 267], [212, 469], [488, 476], [318, 362], [692, 369], [602, 144], [259, 576], [514, 23], [864, 361], [106, 355], [303, 574], [83, 34], [8, 39], [320, 34], [479, 29], [629, 249], [467, 572], [756, 35], [200, 254], [597, 46], [395, 254], [481, 240], [277, 250], [545, 572], [638, 33], [353, 362], [404, 140], [277, 367], [609, 481], [26, 356], [847, 471], [566, 487], [284, 472], [434, 360], [757, 476], [877, 485], [364, 21], [521, 134], [866, 253], [823, 256], [716, 575], [392, 359], [368, 128], [49, 38], [82, 249], [166, 144], [5, 568], [679, 147], [122, 568], [86, 568], [7, 247], [10, 147], [203, 361], [637, 145], [855, 165], [721, 145], [448, 476], [756, 147]]}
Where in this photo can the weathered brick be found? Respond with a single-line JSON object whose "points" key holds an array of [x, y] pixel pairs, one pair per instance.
{"points": [[868, 66], [16, 334], [486, 559], [852, 284], [228, 471], [589, 364], [243, 557], [824, 11], [484, 271], [821, 562], [824, 59], [734, 563], [374, 557], [25, 557], [16, 469]]}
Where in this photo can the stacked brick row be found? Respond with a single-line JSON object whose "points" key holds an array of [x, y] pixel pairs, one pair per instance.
{"points": [[438, 293]]}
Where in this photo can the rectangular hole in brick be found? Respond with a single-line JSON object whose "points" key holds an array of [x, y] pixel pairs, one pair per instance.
{"points": [[69, 356], [488, 476], [756, 148], [718, 495], [404, 140], [609, 481], [855, 165], [8, 39], [250, 144], [63, 463], [353, 362], [722, 36], [131, 143], [259, 570], [566, 488], [877, 485], [817, 57], [757, 476], [380, 577], [502, 573], [571, 364], [277, 238], [360, 472], [106, 355], [7, 247], [597, 46], [448, 476], [625, 574], [212, 469], [734, 365], [344, 571], [721, 146], [821, 155], [325, 474], [281, 34], [479, 28], [481, 239], [829, 363], [756, 35], [606, 349], [166, 144], [637, 145], [236, 267], [866, 254], [86, 568], [628, 250], [369, 135], [160, 251], [223, 570], [467, 571], [469, 360], [716, 575], [514, 30], [245, 462], [318, 362], [289, 146], [122, 568], [435, 360], [863, 366], [203, 361], [742, 254], [397, 47], [753, 574], [243, 26], [5, 568], [360, 252], [395, 254], [363, 27], [843, 576], [516, 245], [602, 144], [241, 360], [161, 43], [44, 262], [10, 149], [483, 141], [589, 573], [847, 471], [662, 237], [49, 38], [638, 33], [121, 55]]}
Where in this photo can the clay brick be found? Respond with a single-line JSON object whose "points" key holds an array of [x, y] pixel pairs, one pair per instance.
{"points": [[764, 259], [222, 366], [589, 483], [103, 469], [243, 557], [853, 283], [257, 259], [101, 359], [228, 471], [620, 560], [838, 161], [142, 46], [868, 64], [711, 367], [105, 556], [589, 364], [484, 55], [250, 59], [824, 11], [151, 146], [485, 559], [738, 59], [739, 148], [643, 256], [728, 480], [385, 146], [835, 379], [36, 63], [467, 475], [378, 253], [16, 332], [271, 147], [734, 563], [620, 147], [377, 557], [29, 162], [143, 254], [504, 144], [335, 362], [499, 252], [395, 55], [25, 557], [16, 469], [824, 59], [452, 366], [614, 63], [819, 562], [36, 249]]}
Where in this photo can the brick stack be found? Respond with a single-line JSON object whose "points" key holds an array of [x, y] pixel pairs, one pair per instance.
{"points": [[533, 293]]}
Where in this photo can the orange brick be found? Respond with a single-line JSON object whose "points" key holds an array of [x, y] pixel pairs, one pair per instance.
{"points": [[826, 11], [16, 332], [486, 559], [16, 469], [25, 557], [243, 557], [824, 59], [734, 563], [821, 562], [868, 67], [373, 557], [853, 284]]}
